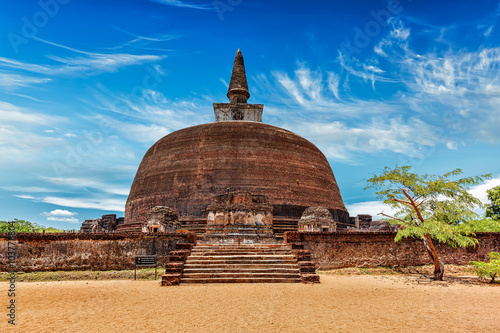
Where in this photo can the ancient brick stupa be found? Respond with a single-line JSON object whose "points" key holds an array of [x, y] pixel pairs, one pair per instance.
{"points": [[237, 155]]}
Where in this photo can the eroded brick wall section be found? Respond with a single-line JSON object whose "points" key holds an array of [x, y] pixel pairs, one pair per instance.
{"points": [[53, 252], [347, 249]]}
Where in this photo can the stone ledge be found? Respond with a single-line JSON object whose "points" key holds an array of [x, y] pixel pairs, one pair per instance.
{"points": [[170, 279], [310, 278]]}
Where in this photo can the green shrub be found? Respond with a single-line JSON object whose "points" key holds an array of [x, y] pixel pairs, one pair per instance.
{"points": [[487, 269]]}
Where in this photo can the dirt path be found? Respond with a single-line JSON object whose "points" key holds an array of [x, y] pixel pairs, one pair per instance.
{"points": [[338, 304]]}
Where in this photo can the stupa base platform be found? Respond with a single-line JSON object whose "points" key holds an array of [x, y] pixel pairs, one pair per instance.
{"points": [[238, 234]]}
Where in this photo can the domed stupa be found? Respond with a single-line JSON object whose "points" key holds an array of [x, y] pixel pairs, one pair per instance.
{"points": [[237, 156]]}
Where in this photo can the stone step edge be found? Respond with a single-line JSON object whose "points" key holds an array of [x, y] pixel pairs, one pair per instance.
{"points": [[239, 280], [241, 275], [251, 256], [242, 266]]}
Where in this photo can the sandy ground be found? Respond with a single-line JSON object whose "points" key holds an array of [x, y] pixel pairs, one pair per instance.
{"points": [[338, 304]]}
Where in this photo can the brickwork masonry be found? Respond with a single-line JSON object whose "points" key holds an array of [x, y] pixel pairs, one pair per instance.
{"points": [[73, 251], [371, 249]]}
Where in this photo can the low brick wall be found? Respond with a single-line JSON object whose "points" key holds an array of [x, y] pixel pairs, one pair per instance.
{"points": [[349, 249], [74, 251]]}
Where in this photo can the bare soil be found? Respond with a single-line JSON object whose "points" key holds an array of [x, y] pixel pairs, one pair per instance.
{"points": [[341, 303]]}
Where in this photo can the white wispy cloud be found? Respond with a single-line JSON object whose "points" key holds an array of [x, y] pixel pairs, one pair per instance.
{"points": [[10, 114], [61, 215], [147, 118], [63, 219], [184, 4], [372, 208], [95, 202], [12, 81], [60, 212], [104, 203], [25, 196], [480, 191], [92, 64], [88, 183], [29, 189], [449, 97], [19, 147], [86, 63], [144, 42], [458, 88], [339, 140]]}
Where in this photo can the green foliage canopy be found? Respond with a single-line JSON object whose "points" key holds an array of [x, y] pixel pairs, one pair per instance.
{"points": [[429, 204], [26, 226], [482, 225], [493, 209]]}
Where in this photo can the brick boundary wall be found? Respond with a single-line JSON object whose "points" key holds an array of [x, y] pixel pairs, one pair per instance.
{"points": [[371, 249], [75, 251]]}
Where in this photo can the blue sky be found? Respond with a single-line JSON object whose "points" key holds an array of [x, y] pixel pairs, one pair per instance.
{"points": [[86, 87]]}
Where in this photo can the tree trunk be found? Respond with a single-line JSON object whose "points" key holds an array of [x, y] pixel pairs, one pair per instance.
{"points": [[438, 265]]}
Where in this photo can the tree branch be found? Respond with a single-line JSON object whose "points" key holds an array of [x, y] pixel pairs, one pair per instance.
{"points": [[412, 203], [401, 201], [391, 217], [422, 202]]}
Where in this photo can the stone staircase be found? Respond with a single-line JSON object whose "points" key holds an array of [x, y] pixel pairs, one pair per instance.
{"points": [[245, 263], [239, 263]]}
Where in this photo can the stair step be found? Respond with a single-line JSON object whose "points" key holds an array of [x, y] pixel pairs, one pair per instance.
{"points": [[234, 252], [241, 280], [243, 257], [242, 270], [242, 246], [217, 275], [242, 266], [239, 261]]}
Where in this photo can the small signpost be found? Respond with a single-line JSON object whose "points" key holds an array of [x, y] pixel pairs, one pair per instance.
{"points": [[143, 261]]}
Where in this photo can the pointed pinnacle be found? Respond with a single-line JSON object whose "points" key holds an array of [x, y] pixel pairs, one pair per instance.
{"points": [[238, 87]]}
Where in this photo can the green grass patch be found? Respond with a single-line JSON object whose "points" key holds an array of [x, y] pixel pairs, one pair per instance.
{"points": [[142, 274]]}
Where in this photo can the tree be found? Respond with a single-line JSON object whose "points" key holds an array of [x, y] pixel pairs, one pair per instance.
{"points": [[26, 226], [429, 207], [493, 209]]}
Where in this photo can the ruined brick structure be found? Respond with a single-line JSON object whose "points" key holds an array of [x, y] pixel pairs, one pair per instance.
{"points": [[240, 214], [316, 219], [186, 169], [161, 219], [87, 251], [107, 223]]}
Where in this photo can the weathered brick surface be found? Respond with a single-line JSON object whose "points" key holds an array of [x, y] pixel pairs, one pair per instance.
{"points": [[302, 255], [371, 249], [171, 279], [174, 267], [70, 251], [307, 267], [187, 168], [184, 246], [310, 278], [178, 255]]}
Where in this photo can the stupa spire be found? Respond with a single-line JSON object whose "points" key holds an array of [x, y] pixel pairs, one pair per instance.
{"points": [[238, 87], [238, 109]]}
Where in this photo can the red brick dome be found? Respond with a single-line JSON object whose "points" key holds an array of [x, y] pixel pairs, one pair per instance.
{"points": [[186, 169]]}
